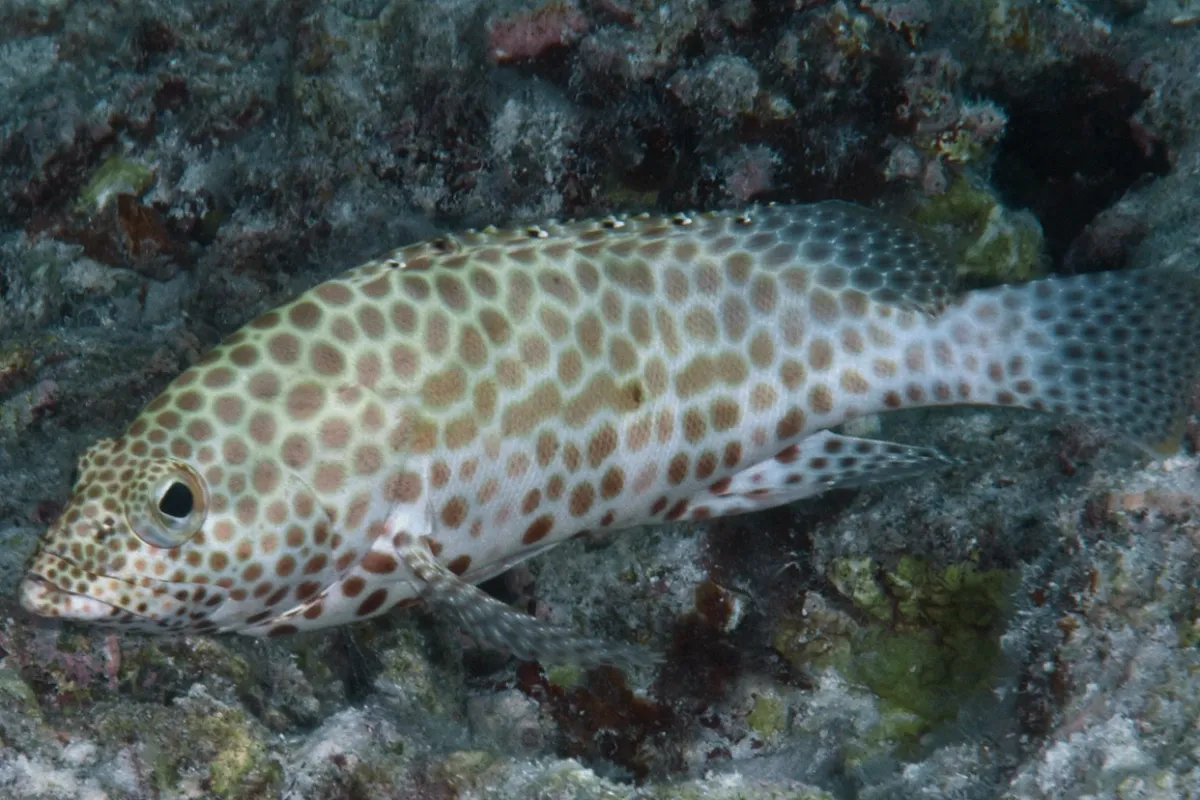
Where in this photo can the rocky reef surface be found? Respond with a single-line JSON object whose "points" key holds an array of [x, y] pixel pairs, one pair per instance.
{"points": [[1023, 626]]}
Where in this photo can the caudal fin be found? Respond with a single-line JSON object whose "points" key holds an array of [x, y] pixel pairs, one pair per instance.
{"points": [[1121, 349]]}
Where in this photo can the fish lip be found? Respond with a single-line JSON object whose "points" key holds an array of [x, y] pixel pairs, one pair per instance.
{"points": [[44, 597]]}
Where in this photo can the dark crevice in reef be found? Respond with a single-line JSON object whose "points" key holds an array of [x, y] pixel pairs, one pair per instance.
{"points": [[1072, 147]]}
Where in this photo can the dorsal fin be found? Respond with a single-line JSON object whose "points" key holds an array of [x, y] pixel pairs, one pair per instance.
{"points": [[891, 260], [895, 261]]}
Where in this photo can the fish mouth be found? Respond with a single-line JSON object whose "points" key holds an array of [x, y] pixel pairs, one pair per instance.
{"points": [[54, 597], [148, 605], [41, 597]]}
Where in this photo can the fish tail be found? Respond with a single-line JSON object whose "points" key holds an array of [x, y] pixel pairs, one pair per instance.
{"points": [[1119, 349]]}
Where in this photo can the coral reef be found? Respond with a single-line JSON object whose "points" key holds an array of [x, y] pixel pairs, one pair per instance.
{"points": [[531, 34], [1023, 626]]}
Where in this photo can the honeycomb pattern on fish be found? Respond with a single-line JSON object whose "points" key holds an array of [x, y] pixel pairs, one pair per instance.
{"points": [[435, 416]]}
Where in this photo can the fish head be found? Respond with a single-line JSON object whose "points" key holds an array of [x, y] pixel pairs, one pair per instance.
{"points": [[161, 543], [97, 561]]}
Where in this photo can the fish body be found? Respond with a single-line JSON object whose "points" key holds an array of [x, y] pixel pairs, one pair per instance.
{"points": [[435, 416]]}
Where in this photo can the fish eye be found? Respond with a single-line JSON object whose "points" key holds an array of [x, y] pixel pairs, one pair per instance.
{"points": [[177, 502], [174, 510]]}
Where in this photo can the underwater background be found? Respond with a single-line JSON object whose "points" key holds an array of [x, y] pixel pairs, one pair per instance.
{"points": [[1022, 626]]}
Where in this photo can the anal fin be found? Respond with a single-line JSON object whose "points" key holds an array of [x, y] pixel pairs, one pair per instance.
{"points": [[815, 465], [493, 624]]}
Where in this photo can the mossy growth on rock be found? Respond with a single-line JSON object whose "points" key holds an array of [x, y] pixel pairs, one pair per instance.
{"points": [[991, 244], [465, 771], [198, 741], [937, 638], [117, 175], [922, 638], [768, 715]]}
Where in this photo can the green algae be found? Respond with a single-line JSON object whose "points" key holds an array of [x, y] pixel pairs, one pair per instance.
{"points": [[942, 643], [565, 675], [814, 637], [962, 147], [16, 694], [956, 597], [768, 716], [855, 580], [409, 678], [239, 767], [154, 670], [200, 738], [214, 659], [922, 638], [990, 243], [117, 175], [16, 363], [21, 717], [466, 770]]}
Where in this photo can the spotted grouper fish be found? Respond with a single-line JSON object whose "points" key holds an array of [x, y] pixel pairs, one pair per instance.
{"points": [[431, 418]]}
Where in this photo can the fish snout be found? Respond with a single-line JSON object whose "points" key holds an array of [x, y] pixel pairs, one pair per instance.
{"points": [[41, 597]]}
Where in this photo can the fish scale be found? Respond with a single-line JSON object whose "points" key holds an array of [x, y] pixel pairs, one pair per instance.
{"points": [[433, 417]]}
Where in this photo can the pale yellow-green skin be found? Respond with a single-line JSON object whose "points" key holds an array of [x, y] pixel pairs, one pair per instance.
{"points": [[488, 395]]}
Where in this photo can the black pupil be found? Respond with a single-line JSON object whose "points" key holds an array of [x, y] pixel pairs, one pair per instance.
{"points": [[176, 501]]}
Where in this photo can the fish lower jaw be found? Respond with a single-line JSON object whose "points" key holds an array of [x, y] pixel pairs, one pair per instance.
{"points": [[41, 597]]}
